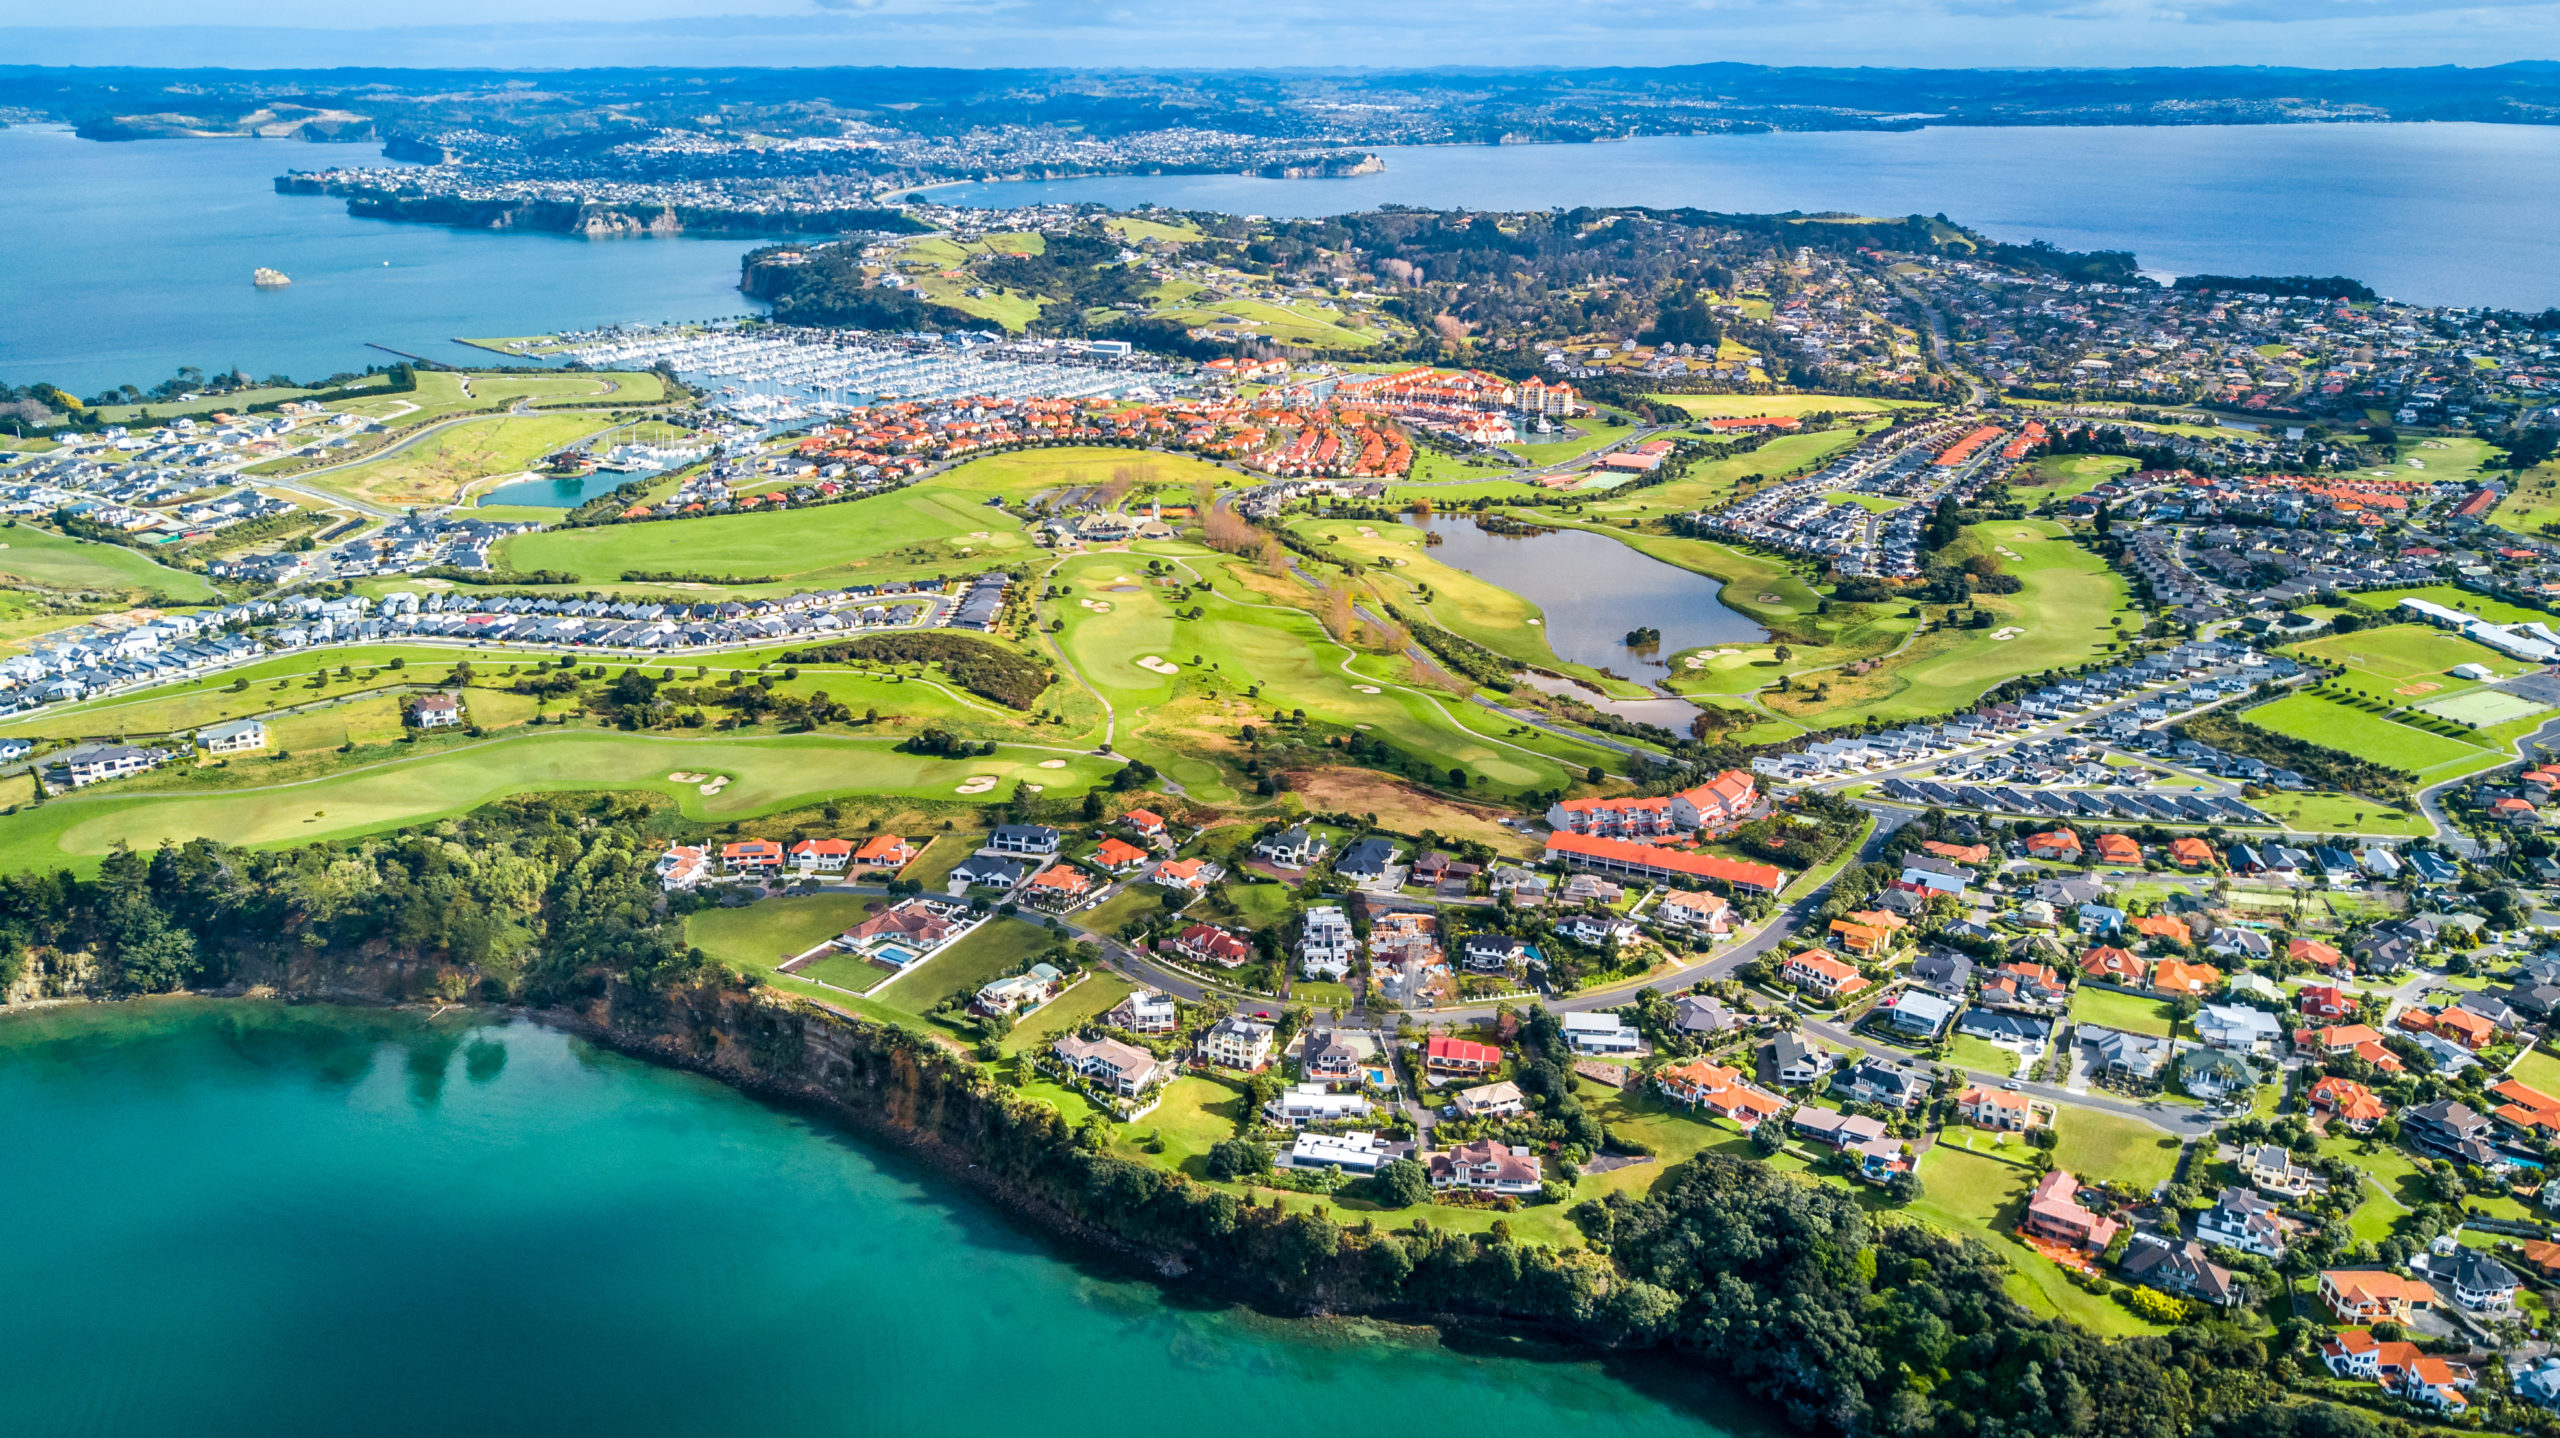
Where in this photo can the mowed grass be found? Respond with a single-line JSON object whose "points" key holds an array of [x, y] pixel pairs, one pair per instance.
{"points": [[942, 520], [2099, 1145], [2132, 1013], [2064, 476], [2408, 653], [2532, 504], [2367, 736], [51, 560], [2452, 596], [1726, 406], [766, 774], [436, 468], [991, 951], [762, 934], [2325, 813], [1973, 1195], [442, 393]]}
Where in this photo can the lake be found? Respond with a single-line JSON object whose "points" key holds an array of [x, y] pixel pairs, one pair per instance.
{"points": [[1591, 590], [121, 262], [271, 1222], [566, 492], [2456, 214]]}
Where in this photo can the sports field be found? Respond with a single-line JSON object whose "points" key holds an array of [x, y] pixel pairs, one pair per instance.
{"points": [[51, 560], [2483, 707], [934, 524], [2367, 736], [2408, 654], [765, 774], [2452, 596]]}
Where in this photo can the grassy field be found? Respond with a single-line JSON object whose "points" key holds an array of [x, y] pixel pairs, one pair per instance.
{"points": [[2061, 616], [2064, 476], [2098, 1145], [2405, 654], [1721, 406], [770, 930], [934, 524], [988, 953], [438, 467], [2130, 1012], [155, 410], [2452, 596], [767, 774], [2367, 736], [1966, 1051], [2338, 814], [442, 393], [1973, 1195], [51, 560], [2532, 504], [2538, 1068]]}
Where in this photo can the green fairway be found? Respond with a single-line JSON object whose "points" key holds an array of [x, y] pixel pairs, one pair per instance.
{"points": [[50, 560], [442, 393], [766, 774], [2067, 476], [990, 952], [1461, 603], [2367, 736], [2130, 1012], [943, 521]]}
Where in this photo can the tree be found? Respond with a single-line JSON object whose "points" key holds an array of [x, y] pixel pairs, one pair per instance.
{"points": [[1233, 1158], [1403, 1183]]}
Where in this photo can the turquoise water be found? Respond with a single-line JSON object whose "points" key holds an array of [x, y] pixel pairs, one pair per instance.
{"points": [[565, 493], [240, 1219], [2454, 214], [121, 262]]}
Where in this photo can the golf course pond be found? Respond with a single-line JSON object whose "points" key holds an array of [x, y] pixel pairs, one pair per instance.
{"points": [[309, 1222], [1593, 590]]}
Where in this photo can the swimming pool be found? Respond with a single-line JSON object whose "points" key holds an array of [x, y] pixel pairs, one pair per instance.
{"points": [[893, 955]]}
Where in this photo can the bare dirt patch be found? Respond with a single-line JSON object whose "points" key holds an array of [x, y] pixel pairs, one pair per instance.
{"points": [[1401, 806]]}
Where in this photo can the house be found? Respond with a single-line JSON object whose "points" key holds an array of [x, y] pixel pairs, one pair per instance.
{"points": [[2325, 1001], [1719, 1090], [2315, 953], [682, 867], [1834, 1129], [2238, 1028], [2348, 1102], [1145, 823], [1943, 971], [1238, 1042], [2272, 1171], [1694, 913], [1354, 1152], [2232, 941], [2215, 1074], [1659, 864], [1816, 972], [2059, 845], [2184, 980], [2119, 849], [2054, 1211], [1699, 1014], [1860, 938], [1882, 1081], [435, 711], [2101, 920], [1209, 944], [1722, 801], [1366, 861], [2023, 1032], [2450, 1129], [1336, 1058], [1118, 856], [2134, 1056], [821, 856], [2477, 1282], [1916, 1014], [985, 872], [87, 764], [1027, 839], [2241, 1219], [2367, 1295], [2114, 965], [1306, 1103], [1145, 1012], [2526, 1109], [1444, 1056], [1492, 1100], [1600, 1034], [240, 736], [752, 856], [1997, 1108], [2180, 1268], [1598, 930], [885, 851], [2026, 985], [1496, 953], [1326, 947], [2191, 853], [1792, 1061], [1058, 887], [1188, 876], [2167, 928], [1487, 1167], [1125, 1069], [1295, 847], [1020, 992]]}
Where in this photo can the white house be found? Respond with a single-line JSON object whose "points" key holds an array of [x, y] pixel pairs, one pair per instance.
{"points": [[1599, 1034], [236, 737], [2239, 1028], [1325, 945], [1306, 1103], [1354, 1152]]}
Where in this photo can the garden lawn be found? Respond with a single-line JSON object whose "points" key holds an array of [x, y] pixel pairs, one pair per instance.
{"points": [[2098, 1145], [2131, 1013], [1197, 1111], [989, 952], [1969, 1052], [1972, 1195], [49, 560], [762, 934], [1100, 993], [2533, 503], [766, 774], [2538, 1068]]}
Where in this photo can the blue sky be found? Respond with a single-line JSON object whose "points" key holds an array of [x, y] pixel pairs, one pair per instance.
{"points": [[1965, 33]]}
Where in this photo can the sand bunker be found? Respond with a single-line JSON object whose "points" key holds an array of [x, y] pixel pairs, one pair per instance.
{"points": [[1693, 661], [1098, 606], [1034, 788], [1367, 533], [1768, 599], [2010, 632], [1053, 763], [977, 784], [1366, 688], [1537, 621], [1157, 664], [685, 777], [715, 786]]}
